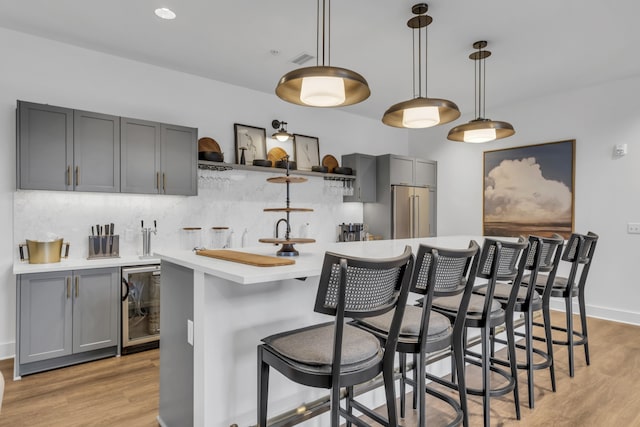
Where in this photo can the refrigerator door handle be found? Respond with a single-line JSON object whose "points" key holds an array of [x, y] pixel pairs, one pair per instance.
{"points": [[416, 223], [412, 217]]}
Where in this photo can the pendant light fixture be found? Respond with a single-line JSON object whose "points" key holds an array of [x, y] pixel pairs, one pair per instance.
{"points": [[323, 85], [421, 111], [282, 134], [480, 129]]}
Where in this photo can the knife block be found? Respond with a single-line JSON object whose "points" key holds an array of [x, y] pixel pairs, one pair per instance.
{"points": [[104, 247]]}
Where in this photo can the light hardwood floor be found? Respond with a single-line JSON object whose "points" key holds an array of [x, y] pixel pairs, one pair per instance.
{"points": [[124, 391]]}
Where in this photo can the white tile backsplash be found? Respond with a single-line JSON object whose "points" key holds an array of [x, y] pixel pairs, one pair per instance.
{"points": [[234, 199]]}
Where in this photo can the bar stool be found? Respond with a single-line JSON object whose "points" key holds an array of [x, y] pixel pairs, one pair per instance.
{"points": [[544, 255], [578, 252], [499, 260], [443, 272], [334, 355]]}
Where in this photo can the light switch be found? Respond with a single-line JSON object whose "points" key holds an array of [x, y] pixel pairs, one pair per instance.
{"points": [[190, 331], [633, 228]]}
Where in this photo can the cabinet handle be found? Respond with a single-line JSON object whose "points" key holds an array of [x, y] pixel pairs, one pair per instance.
{"points": [[164, 182], [77, 175], [77, 286], [68, 175], [68, 287]]}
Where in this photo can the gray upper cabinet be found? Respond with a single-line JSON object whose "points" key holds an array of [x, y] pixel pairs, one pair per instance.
{"points": [[96, 152], [64, 149], [45, 147], [425, 172], [64, 317], [401, 170], [364, 169], [179, 160], [140, 156], [158, 158], [411, 171]]}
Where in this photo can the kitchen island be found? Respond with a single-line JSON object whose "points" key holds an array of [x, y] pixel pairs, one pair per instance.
{"points": [[214, 313]]}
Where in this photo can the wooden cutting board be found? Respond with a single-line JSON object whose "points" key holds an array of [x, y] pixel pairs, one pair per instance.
{"points": [[246, 258]]}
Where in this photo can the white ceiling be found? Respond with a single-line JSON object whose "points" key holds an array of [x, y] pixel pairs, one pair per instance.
{"points": [[538, 47]]}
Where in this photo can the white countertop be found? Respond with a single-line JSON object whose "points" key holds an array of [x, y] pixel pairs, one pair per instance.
{"points": [[23, 267], [308, 263]]}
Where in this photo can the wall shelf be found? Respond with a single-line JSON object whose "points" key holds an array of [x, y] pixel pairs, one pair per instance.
{"points": [[221, 166]]}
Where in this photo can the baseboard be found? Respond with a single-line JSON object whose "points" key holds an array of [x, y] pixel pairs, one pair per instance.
{"points": [[621, 316], [7, 350]]}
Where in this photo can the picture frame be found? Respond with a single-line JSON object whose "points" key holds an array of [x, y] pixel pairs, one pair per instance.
{"points": [[529, 190], [307, 151], [253, 139], [276, 150]]}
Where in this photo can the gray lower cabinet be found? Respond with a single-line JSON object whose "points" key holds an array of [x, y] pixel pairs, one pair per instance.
{"points": [[364, 169], [158, 158], [66, 317], [64, 149]]}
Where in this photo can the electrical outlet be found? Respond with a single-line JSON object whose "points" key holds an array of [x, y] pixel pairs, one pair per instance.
{"points": [[633, 228]]}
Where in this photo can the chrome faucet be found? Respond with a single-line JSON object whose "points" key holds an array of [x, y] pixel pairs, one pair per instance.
{"points": [[287, 231]]}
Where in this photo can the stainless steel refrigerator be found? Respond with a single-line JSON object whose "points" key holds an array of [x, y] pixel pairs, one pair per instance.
{"points": [[401, 212], [409, 212]]}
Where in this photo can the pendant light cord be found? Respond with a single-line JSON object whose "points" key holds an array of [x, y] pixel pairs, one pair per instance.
{"points": [[413, 62]]}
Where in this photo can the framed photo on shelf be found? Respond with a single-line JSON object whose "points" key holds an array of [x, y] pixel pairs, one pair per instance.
{"points": [[529, 190], [307, 151], [277, 150], [252, 141]]}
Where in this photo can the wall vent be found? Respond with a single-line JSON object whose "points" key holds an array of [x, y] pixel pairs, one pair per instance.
{"points": [[302, 58]]}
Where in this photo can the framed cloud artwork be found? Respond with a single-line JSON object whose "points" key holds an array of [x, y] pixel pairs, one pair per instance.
{"points": [[529, 190]]}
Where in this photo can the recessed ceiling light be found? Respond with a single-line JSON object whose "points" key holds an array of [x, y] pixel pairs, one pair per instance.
{"points": [[165, 13]]}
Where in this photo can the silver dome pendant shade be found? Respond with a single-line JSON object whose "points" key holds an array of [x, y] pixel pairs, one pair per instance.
{"points": [[421, 111], [480, 129], [323, 85]]}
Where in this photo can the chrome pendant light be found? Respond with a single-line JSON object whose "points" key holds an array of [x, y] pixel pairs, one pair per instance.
{"points": [[480, 129], [421, 111], [323, 85]]}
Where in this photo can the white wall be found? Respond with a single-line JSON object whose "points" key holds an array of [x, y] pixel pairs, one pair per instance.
{"points": [[43, 71], [607, 189]]}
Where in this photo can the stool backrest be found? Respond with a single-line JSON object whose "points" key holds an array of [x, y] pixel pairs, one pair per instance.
{"points": [[544, 256], [444, 272], [579, 252], [502, 261], [370, 286], [358, 287]]}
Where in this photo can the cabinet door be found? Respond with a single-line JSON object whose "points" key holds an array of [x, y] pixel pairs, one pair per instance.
{"points": [[401, 170], [433, 212], [45, 303], [425, 173], [364, 168], [179, 160], [140, 156], [96, 152], [95, 309], [45, 147]]}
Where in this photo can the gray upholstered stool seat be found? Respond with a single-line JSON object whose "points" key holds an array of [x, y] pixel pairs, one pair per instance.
{"points": [[503, 290], [476, 304], [313, 346], [439, 325], [560, 284]]}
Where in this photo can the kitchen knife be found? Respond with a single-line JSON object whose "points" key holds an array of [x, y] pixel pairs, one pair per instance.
{"points": [[105, 238], [96, 241], [111, 239]]}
